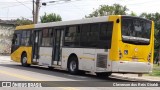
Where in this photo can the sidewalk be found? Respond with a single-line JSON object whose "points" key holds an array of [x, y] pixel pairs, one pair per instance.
{"points": [[135, 77], [6, 60]]}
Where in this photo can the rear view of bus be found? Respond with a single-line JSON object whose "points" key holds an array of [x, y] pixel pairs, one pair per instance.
{"points": [[135, 46]]}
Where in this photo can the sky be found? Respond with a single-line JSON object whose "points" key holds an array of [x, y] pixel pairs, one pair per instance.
{"points": [[71, 10]]}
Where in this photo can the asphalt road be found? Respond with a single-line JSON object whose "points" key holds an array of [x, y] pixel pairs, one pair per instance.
{"points": [[12, 71]]}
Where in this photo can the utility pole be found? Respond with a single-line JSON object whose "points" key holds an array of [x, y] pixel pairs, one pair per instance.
{"points": [[36, 11], [33, 13]]}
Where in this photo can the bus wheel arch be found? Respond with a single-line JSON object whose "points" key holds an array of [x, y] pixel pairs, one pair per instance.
{"points": [[24, 59], [73, 64]]}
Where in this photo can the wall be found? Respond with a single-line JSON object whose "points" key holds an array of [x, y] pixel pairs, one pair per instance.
{"points": [[6, 33]]}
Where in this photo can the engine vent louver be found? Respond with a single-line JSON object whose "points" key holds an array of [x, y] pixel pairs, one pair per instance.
{"points": [[101, 61]]}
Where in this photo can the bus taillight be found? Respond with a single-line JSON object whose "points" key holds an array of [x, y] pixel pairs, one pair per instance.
{"points": [[120, 54], [149, 57]]}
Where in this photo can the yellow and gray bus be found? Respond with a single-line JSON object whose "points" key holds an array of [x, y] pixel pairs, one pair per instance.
{"points": [[101, 45]]}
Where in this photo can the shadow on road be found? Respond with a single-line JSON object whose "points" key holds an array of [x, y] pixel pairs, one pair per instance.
{"points": [[62, 73]]}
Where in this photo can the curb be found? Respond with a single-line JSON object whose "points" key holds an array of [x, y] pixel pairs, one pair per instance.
{"points": [[133, 78]]}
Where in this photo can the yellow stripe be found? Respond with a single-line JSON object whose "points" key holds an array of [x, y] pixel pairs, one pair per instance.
{"points": [[32, 79], [89, 58], [45, 55], [82, 57]]}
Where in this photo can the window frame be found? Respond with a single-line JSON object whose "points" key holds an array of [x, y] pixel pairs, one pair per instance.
{"points": [[97, 46], [67, 28], [15, 39], [50, 37]]}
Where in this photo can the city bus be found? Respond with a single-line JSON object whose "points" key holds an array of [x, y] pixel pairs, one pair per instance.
{"points": [[101, 45]]}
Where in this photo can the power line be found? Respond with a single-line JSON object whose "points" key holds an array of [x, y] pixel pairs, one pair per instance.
{"points": [[24, 5], [69, 1], [64, 2], [12, 6], [141, 2], [13, 2], [16, 17], [78, 7]]}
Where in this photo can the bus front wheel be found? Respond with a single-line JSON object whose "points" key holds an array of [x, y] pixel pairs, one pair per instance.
{"points": [[24, 60]]}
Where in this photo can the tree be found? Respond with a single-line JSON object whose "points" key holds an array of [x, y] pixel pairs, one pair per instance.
{"points": [[23, 21], [133, 14], [50, 18], [156, 18], [104, 10]]}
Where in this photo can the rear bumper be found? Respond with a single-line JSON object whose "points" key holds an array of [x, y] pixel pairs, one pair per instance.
{"points": [[131, 67]]}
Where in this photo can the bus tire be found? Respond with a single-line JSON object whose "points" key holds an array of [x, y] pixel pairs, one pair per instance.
{"points": [[104, 74], [50, 68], [24, 60], [73, 65]]}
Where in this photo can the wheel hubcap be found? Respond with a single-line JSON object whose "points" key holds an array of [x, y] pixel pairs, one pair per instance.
{"points": [[24, 60], [73, 66]]}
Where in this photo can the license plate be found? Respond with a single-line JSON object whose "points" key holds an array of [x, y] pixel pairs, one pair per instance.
{"points": [[134, 59]]}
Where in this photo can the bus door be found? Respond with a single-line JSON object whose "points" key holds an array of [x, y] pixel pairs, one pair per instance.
{"points": [[36, 45], [56, 53]]}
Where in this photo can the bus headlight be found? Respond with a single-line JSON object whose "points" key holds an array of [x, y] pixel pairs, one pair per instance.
{"points": [[149, 57]]}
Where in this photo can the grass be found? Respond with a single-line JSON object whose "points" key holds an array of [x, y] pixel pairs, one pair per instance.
{"points": [[155, 71]]}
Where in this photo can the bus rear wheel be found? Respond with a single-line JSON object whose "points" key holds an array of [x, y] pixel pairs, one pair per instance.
{"points": [[24, 60], [73, 65], [104, 74]]}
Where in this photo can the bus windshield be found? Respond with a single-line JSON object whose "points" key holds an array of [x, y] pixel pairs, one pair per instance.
{"points": [[136, 30]]}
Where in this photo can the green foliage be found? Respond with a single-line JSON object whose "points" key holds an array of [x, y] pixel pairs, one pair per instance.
{"points": [[50, 18], [156, 18], [133, 14], [156, 71], [104, 10], [23, 21]]}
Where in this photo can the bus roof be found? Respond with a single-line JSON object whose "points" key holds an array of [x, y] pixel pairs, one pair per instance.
{"points": [[63, 23], [73, 22]]}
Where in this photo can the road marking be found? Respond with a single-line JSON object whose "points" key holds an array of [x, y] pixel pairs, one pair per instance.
{"points": [[31, 79], [19, 76]]}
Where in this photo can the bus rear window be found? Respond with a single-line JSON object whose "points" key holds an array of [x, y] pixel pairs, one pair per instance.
{"points": [[136, 30]]}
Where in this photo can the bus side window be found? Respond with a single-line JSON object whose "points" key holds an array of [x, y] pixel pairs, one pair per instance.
{"points": [[26, 38], [50, 37], [85, 34], [94, 33], [16, 39], [105, 35], [23, 39], [46, 37], [72, 36]]}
